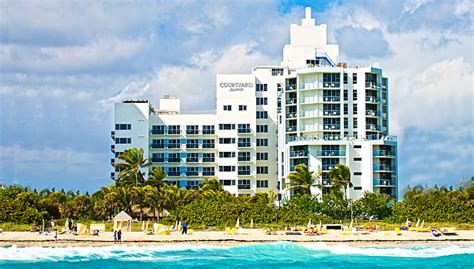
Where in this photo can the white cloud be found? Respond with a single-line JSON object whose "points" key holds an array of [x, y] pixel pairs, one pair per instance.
{"points": [[411, 6]]}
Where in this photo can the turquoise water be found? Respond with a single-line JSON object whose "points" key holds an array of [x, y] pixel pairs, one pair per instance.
{"points": [[274, 255]]}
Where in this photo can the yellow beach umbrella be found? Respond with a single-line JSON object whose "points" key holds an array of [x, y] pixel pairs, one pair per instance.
{"points": [[238, 223]]}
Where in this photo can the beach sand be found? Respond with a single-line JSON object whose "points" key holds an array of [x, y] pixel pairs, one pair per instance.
{"points": [[247, 236]]}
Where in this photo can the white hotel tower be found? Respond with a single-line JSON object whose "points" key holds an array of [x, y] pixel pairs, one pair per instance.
{"points": [[310, 109]]}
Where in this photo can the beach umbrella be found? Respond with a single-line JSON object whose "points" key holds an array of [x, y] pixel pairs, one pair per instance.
{"points": [[406, 223], [52, 225], [66, 225], [320, 226], [143, 225], [350, 225], [146, 226], [176, 226], [238, 223], [417, 223], [179, 226], [422, 223], [309, 224], [251, 224], [43, 226]]}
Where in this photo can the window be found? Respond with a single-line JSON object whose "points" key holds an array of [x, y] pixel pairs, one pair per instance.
{"points": [[242, 108], [262, 142], [262, 128], [331, 80], [262, 156], [243, 171], [208, 171], [277, 71], [261, 87], [357, 188], [158, 157], [346, 109], [262, 115], [262, 183], [226, 154], [226, 140], [354, 123], [243, 128], [244, 142], [354, 109], [208, 129], [346, 95], [192, 171], [357, 173], [346, 123], [227, 168], [192, 129], [226, 126], [262, 170], [158, 129], [227, 182], [174, 129], [344, 77], [357, 146], [208, 157], [208, 143], [262, 101], [158, 143], [192, 158], [192, 143], [244, 157], [243, 184], [122, 126], [354, 78], [227, 108], [174, 171], [174, 158], [357, 159], [123, 140]]}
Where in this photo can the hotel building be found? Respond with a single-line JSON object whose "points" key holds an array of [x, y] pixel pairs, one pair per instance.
{"points": [[310, 109]]}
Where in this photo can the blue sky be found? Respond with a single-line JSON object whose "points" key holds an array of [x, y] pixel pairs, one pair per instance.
{"points": [[64, 63]]}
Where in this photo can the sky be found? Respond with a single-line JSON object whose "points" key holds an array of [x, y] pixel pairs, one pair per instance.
{"points": [[63, 64]]}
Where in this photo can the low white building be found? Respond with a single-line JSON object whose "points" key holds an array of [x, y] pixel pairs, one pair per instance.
{"points": [[310, 109]]}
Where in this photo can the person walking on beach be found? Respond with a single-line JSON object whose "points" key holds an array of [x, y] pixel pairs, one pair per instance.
{"points": [[185, 228], [55, 234], [115, 236], [119, 236]]}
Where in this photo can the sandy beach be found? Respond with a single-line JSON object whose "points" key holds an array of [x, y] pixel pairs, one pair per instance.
{"points": [[246, 236]]}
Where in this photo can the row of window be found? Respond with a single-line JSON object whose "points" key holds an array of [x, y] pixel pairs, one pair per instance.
{"points": [[176, 129], [123, 126], [345, 78], [244, 183], [123, 140], [176, 143], [243, 142], [189, 171], [243, 170]]}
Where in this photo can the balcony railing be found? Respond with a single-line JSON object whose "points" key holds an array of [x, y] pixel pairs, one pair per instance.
{"points": [[331, 85], [112, 148], [290, 87], [192, 160], [373, 127], [157, 131], [244, 131], [383, 182], [291, 101], [192, 132], [244, 145], [291, 115], [192, 146], [243, 159], [330, 153], [174, 132], [208, 132], [158, 145], [243, 173], [298, 153], [208, 174], [371, 84], [386, 168], [174, 174], [327, 167], [310, 100], [112, 161], [174, 160], [112, 135], [372, 99], [317, 113], [291, 129], [331, 137], [331, 113], [208, 160], [208, 146], [174, 146], [243, 186], [383, 153], [331, 98], [331, 126], [157, 160], [192, 173], [373, 113]]}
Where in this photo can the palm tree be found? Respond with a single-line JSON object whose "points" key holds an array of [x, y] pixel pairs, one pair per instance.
{"points": [[302, 179], [139, 198], [210, 184], [264, 198], [156, 178], [340, 176], [133, 160]]}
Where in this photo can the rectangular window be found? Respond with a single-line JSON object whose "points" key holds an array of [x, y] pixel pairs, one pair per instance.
{"points": [[354, 78], [227, 108], [262, 101], [122, 126], [208, 129], [226, 154], [158, 143], [158, 157], [331, 80], [356, 159], [346, 109], [277, 71], [227, 140], [261, 87], [346, 95], [192, 143], [208, 143], [262, 156], [242, 108], [174, 129], [192, 129], [123, 140], [174, 171], [346, 123], [158, 129], [262, 170], [354, 95], [208, 171], [357, 173], [354, 123], [174, 158], [357, 146], [262, 183], [208, 157], [262, 142], [244, 142], [344, 77], [244, 157], [192, 158], [357, 188], [227, 182], [243, 184], [174, 144], [354, 109], [226, 126], [243, 171], [227, 168], [262, 115], [243, 128], [262, 128]]}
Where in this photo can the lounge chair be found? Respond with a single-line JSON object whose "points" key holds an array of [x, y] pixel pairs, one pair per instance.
{"points": [[449, 231], [95, 229], [435, 233], [398, 231], [234, 230], [227, 230]]}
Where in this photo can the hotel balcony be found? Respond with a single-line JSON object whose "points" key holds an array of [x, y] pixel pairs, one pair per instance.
{"points": [[298, 154], [331, 99], [291, 101], [174, 132], [244, 173], [157, 160], [327, 167], [311, 114], [311, 100], [331, 85], [384, 168], [244, 159], [291, 129], [112, 148], [290, 87], [192, 146], [192, 132], [373, 113], [208, 132], [157, 145], [157, 131], [112, 161], [192, 160], [112, 135], [173, 174], [192, 173], [291, 115], [383, 153], [243, 186], [331, 126], [331, 113], [208, 160], [373, 127], [372, 85], [383, 183], [208, 174], [244, 131], [372, 99], [208, 146], [331, 153], [174, 160], [174, 146], [244, 145], [331, 137]]}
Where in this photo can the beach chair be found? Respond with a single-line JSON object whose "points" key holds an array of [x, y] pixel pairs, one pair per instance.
{"points": [[324, 231], [234, 231], [95, 229], [164, 230], [449, 231], [81, 229], [398, 231], [227, 230]]}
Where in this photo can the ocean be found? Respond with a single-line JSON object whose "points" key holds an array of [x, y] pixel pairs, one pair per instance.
{"points": [[273, 255]]}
